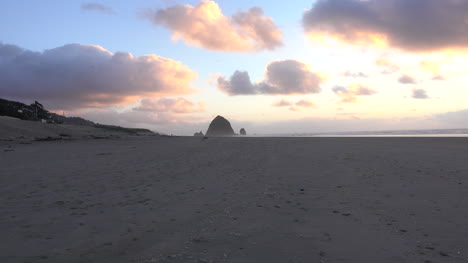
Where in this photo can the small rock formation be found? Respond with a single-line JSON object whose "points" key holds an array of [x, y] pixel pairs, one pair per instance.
{"points": [[220, 127], [199, 134], [242, 132]]}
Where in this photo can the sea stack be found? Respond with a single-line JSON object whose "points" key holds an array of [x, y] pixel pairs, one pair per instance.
{"points": [[199, 134], [220, 127], [242, 132]]}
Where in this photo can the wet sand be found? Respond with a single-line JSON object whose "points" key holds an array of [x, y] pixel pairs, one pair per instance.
{"points": [[176, 199]]}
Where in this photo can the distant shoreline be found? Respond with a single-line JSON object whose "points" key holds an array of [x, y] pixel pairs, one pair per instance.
{"points": [[462, 132]]}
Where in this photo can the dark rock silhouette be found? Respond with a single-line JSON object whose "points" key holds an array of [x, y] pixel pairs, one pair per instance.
{"points": [[242, 132], [220, 127], [199, 134]]}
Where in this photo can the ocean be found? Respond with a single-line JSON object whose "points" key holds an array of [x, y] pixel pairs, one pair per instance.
{"points": [[394, 133]]}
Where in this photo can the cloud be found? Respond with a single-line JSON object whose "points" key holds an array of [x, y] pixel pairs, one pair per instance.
{"points": [[205, 26], [302, 104], [282, 103], [440, 68], [431, 66], [350, 93], [410, 25], [238, 84], [305, 104], [281, 77], [419, 94], [389, 66], [77, 75], [97, 7], [178, 105], [438, 77], [294, 106], [406, 79], [355, 74], [454, 119], [350, 123]]}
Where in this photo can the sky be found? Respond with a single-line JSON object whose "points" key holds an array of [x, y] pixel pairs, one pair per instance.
{"points": [[271, 67]]}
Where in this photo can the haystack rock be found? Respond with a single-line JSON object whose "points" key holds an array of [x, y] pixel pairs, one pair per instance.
{"points": [[199, 134], [242, 132], [220, 127]]}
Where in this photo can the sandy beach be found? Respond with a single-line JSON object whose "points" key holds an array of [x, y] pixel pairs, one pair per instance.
{"points": [[208, 131], [185, 199]]}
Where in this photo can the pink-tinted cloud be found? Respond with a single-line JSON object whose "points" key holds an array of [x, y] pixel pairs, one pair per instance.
{"points": [[281, 77], [177, 105], [282, 103], [294, 106], [412, 25], [205, 26], [438, 77], [75, 75], [350, 94], [302, 104], [305, 103]]}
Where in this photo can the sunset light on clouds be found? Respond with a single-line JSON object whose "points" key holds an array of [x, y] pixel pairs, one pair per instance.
{"points": [[274, 67]]}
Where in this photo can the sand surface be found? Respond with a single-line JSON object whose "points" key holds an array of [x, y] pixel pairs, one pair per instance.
{"points": [[176, 199]]}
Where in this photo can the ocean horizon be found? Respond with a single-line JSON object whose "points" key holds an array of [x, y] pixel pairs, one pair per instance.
{"points": [[386, 133]]}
